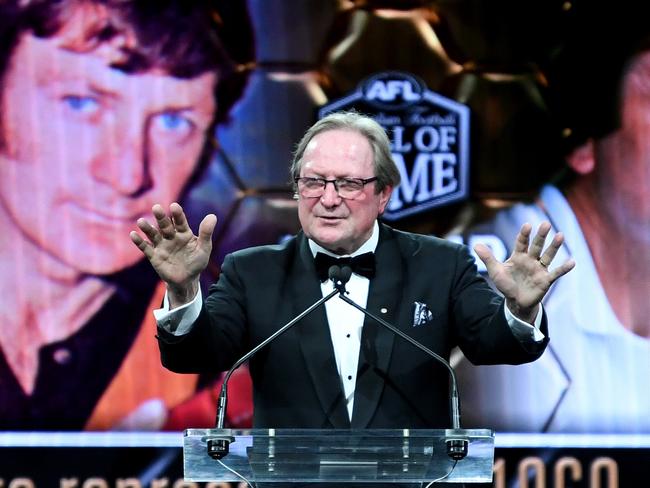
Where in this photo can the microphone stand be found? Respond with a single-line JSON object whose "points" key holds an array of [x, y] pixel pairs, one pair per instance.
{"points": [[456, 446], [218, 447]]}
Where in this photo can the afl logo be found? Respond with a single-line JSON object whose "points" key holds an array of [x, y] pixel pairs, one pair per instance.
{"points": [[392, 90]]}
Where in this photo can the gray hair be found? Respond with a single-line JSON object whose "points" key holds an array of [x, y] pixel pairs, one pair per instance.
{"points": [[385, 169]]}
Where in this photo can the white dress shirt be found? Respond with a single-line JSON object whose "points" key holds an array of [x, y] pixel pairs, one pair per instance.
{"points": [[345, 321]]}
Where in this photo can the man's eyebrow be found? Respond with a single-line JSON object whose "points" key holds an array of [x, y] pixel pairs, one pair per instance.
{"points": [[112, 88], [103, 91], [94, 82], [78, 82]]}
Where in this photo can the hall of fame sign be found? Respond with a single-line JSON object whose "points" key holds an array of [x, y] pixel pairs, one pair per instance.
{"points": [[429, 137]]}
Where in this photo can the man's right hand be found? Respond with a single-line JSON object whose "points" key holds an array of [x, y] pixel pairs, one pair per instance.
{"points": [[177, 255]]}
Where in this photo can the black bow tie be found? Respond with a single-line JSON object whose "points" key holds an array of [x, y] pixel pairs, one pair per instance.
{"points": [[363, 264]]}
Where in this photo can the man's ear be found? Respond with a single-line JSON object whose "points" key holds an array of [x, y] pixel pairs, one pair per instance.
{"points": [[384, 197], [581, 159]]}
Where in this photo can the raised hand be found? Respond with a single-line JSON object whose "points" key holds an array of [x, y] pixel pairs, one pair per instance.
{"points": [[525, 277], [177, 255]]}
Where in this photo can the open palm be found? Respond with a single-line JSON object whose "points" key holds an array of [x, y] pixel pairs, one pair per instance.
{"points": [[525, 277], [177, 255]]}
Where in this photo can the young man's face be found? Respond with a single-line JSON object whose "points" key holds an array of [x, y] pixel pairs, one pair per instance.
{"points": [[85, 150]]}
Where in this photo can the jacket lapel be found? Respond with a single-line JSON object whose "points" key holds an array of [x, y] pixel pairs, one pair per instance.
{"points": [[376, 340], [314, 337]]}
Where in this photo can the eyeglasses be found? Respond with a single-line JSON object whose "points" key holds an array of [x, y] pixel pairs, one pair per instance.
{"points": [[345, 187]]}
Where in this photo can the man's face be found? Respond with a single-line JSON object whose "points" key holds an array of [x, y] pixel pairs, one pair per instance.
{"points": [[623, 157], [87, 150], [338, 224]]}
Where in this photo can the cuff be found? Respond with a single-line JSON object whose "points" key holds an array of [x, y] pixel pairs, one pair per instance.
{"points": [[524, 331], [178, 321]]}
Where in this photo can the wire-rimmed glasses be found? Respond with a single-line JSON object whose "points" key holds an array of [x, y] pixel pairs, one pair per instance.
{"points": [[350, 188]]}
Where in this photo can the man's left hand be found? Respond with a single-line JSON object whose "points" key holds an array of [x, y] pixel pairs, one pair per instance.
{"points": [[525, 277]]}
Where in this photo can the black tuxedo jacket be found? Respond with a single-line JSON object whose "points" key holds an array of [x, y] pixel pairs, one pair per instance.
{"points": [[295, 380]]}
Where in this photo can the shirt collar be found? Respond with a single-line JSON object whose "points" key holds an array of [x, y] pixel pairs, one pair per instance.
{"points": [[369, 246]]}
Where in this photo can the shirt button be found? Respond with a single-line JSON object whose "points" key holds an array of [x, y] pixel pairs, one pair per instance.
{"points": [[349, 377], [384, 310], [348, 335], [62, 356]]}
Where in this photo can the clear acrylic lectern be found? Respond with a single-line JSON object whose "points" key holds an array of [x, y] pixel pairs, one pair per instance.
{"points": [[333, 455]]}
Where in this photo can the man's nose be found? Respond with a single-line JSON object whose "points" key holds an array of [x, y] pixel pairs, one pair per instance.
{"points": [[125, 163], [330, 197]]}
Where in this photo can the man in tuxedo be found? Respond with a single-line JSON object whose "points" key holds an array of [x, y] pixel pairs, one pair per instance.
{"points": [[336, 368]]}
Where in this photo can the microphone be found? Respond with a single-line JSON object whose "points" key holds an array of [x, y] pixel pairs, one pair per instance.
{"points": [[218, 447], [458, 443]]}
